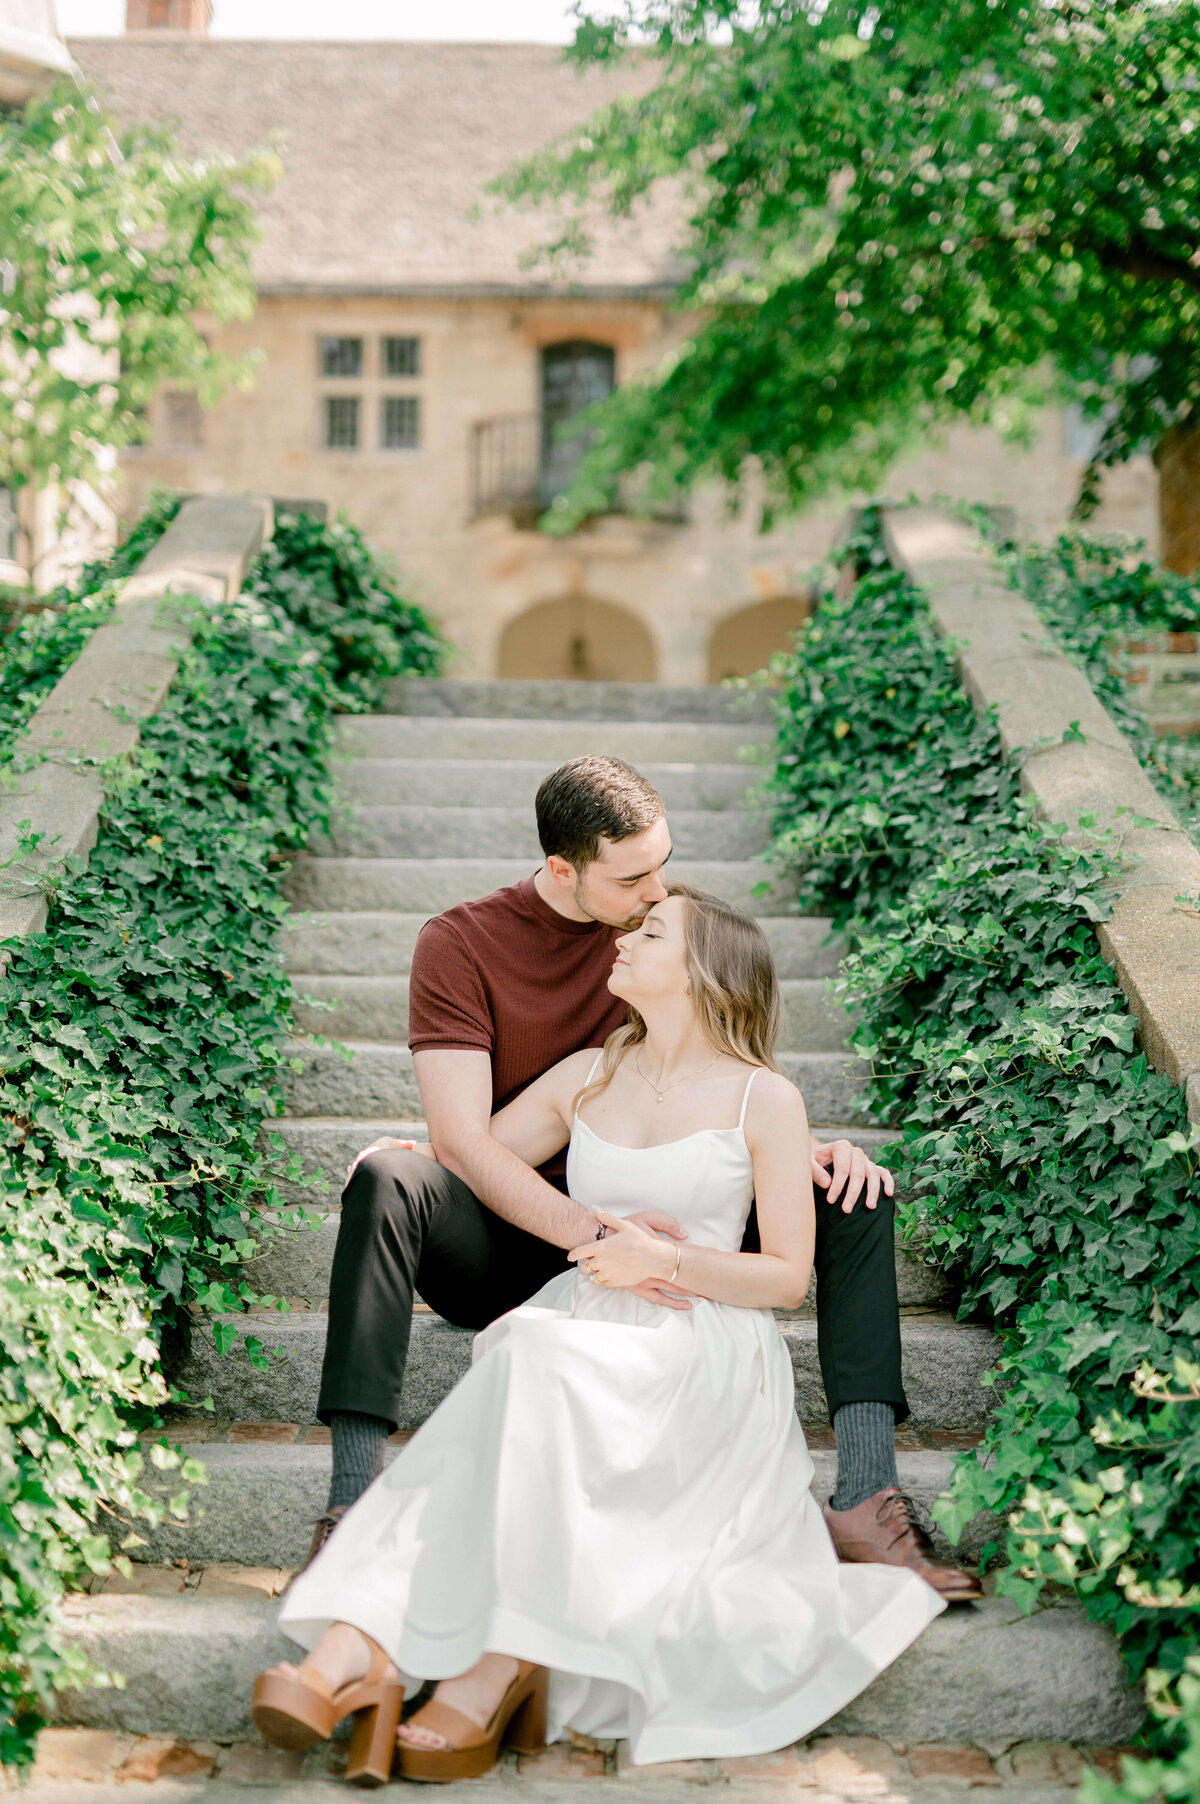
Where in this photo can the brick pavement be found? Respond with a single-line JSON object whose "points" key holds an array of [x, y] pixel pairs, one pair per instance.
{"points": [[853, 1769]]}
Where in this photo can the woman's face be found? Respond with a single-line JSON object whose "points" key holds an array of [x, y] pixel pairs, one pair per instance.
{"points": [[650, 965]]}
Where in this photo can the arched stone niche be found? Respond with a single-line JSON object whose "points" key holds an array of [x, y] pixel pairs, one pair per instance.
{"points": [[744, 642], [590, 641]]}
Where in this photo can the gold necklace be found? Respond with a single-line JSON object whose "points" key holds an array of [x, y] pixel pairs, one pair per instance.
{"points": [[679, 1080]]}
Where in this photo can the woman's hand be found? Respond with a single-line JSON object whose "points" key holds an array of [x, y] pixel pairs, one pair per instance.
{"points": [[627, 1256]]}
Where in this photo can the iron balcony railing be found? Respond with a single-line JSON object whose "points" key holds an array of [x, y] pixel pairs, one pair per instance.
{"points": [[506, 466], [518, 469]]}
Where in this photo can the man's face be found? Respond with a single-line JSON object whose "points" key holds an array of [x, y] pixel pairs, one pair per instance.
{"points": [[624, 880]]}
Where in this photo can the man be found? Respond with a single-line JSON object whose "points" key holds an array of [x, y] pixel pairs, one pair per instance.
{"points": [[501, 989]]}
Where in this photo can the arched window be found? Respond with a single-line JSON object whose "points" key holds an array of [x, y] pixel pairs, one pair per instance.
{"points": [[574, 375]]}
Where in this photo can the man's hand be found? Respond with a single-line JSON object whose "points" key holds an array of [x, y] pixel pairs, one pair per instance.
{"points": [[651, 1292], [842, 1170]]}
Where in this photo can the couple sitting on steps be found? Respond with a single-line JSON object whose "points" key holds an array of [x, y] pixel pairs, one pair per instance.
{"points": [[607, 1525]]}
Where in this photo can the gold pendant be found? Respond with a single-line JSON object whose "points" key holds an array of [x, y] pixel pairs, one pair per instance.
{"points": [[659, 1094]]}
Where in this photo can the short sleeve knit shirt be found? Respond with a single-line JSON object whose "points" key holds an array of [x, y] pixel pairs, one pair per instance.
{"points": [[509, 976]]}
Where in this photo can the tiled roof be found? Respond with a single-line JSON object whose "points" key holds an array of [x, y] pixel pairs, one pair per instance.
{"points": [[387, 148]]}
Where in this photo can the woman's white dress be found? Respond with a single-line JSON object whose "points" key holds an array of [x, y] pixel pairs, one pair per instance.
{"points": [[620, 1492]]}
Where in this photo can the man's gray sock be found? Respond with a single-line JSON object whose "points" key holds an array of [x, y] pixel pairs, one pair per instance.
{"points": [[866, 1449], [358, 1444]]}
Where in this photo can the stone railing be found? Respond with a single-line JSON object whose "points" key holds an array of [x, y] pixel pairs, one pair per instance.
{"points": [[1007, 660], [118, 680]]}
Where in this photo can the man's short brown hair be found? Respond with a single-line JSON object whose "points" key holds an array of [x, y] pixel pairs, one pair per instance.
{"points": [[591, 799]]}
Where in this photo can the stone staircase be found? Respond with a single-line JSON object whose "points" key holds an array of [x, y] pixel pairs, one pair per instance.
{"points": [[438, 792]]}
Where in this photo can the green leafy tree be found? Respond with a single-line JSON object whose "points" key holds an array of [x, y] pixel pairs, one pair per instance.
{"points": [[110, 244], [899, 217]]}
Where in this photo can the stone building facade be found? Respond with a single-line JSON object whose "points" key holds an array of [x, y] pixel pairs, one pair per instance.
{"points": [[414, 362]]}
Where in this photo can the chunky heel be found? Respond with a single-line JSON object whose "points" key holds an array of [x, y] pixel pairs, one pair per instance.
{"points": [[519, 1722], [527, 1726], [294, 1709], [291, 1712], [373, 1739]]}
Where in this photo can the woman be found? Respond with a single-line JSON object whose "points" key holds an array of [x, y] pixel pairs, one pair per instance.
{"points": [[607, 1525]]}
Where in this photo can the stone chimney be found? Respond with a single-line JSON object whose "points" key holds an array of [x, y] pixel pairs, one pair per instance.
{"points": [[168, 18]]}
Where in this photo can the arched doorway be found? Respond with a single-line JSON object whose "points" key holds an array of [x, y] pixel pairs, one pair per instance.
{"points": [[744, 643], [589, 641]]}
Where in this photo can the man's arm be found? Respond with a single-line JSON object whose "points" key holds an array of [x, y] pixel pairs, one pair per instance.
{"points": [[456, 1090]]}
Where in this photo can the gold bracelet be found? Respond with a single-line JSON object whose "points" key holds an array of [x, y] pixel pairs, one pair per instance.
{"points": [[678, 1257]]}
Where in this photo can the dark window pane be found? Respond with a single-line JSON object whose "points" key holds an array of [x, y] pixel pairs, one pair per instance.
{"points": [[401, 422], [182, 422], [402, 357], [574, 375], [341, 356], [341, 422]]}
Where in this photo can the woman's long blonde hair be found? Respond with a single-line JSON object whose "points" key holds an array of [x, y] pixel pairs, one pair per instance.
{"points": [[735, 992]]}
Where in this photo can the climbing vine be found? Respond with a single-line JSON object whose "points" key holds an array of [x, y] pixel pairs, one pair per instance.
{"points": [[141, 1045], [47, 631], [1052, 1170]]}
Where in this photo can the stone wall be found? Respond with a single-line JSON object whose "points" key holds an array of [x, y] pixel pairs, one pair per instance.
{"points": [[682, 584]]}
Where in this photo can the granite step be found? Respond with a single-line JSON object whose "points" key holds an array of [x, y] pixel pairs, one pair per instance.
{"points": [[261, 1499], [981, 1673], [402, 830], [944, 1365], [373, 944], [510, 699], [295, 1261], [410, 885], [491, 783], [376, 1080], [639, 742], [376, 1008], [328, 1143]]}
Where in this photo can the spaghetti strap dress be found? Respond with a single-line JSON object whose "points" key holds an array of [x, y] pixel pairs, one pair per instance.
{"points": [[620, 1492]]}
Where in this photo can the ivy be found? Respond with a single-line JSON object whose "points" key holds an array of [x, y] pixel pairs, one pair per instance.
{"points": [[1100, 597], [50, 629], [1053, 1171], [141, 1046]]}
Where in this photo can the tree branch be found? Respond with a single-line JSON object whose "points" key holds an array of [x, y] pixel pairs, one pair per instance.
{"points": [[1138, 259]]}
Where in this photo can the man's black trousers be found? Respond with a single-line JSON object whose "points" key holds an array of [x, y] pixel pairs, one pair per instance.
{"points": [[409, 1225]]}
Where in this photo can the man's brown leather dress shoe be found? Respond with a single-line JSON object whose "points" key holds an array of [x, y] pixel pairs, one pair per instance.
{"points": [[885, 1528], [325, 1526]]}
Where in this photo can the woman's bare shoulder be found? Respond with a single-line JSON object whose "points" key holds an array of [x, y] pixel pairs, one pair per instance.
{"points": [[571, 1073], [774, 1102]]}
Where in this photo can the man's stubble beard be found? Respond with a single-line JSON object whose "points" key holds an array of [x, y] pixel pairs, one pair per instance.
{"points": [[579, 894]]}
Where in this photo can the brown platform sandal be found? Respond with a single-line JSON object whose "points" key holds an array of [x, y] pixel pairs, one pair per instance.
{"points": [[518, 1721], [291, 1711]]}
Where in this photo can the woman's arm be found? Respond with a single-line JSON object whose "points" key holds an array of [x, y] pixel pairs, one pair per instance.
{"points": [[776, 1278], [537, 1123]]}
